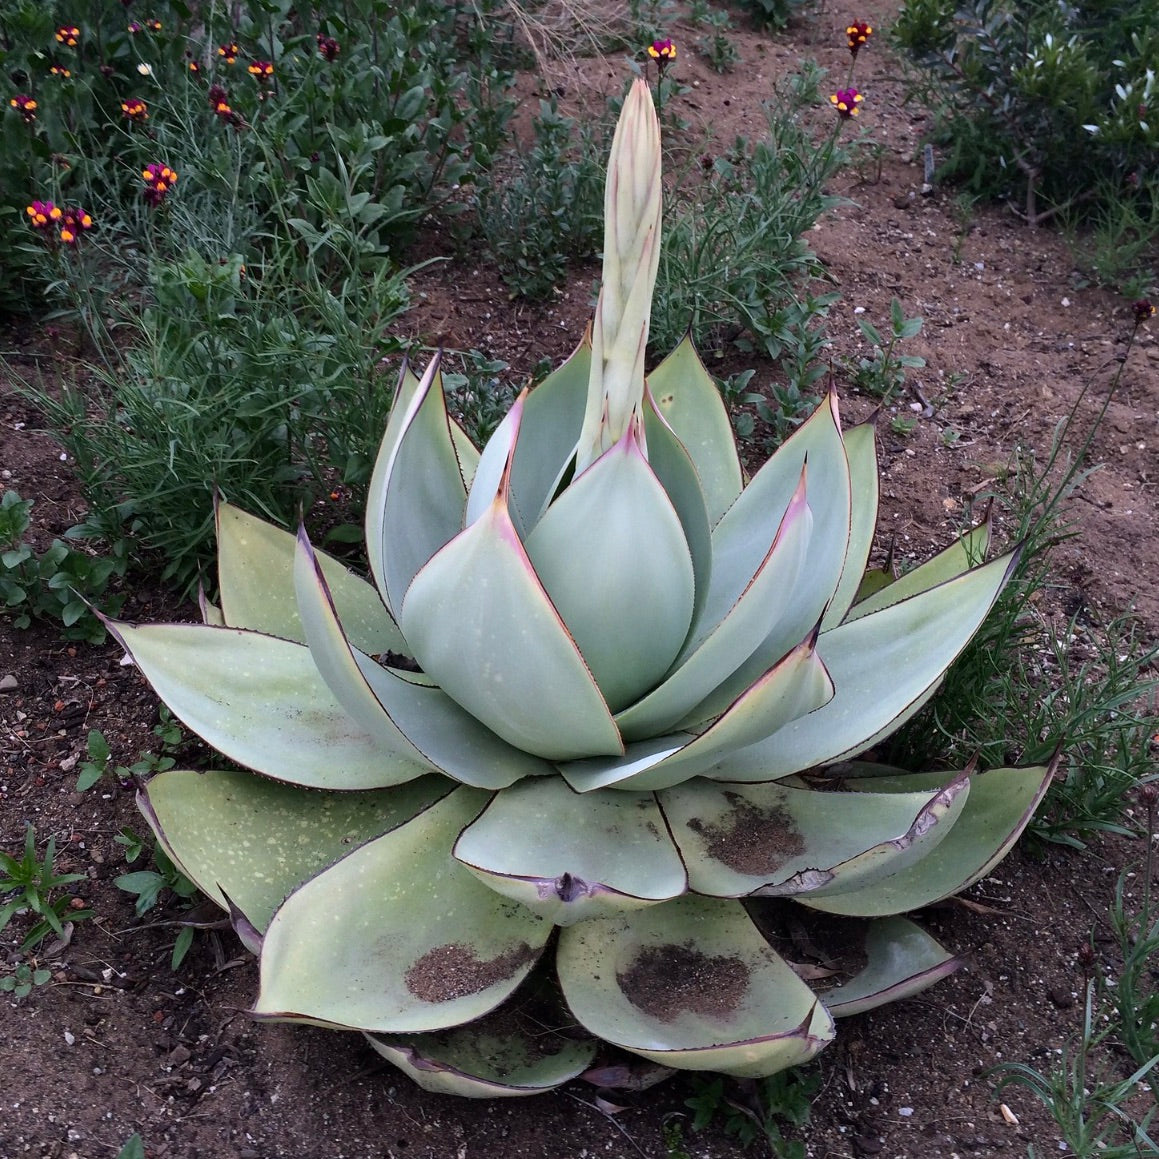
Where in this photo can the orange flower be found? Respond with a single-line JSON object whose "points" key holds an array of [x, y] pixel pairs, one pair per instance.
{"points": [[73, 223], [663, 52], [42, 214], [135, 109], [262, 69], [68, 35], [229, 52]]}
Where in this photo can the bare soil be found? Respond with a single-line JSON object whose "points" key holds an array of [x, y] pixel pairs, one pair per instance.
{"points": [[118, 1043]]}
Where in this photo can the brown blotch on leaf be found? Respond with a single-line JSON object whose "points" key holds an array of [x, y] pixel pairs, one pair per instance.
{"points": [[667, 981], [454, 971], [750, 840]]}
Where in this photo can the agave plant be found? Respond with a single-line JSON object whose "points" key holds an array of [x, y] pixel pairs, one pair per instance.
{"points": [[600, 697]]}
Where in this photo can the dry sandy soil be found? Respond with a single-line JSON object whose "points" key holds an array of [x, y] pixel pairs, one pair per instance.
{"points": [[117, 1043]]}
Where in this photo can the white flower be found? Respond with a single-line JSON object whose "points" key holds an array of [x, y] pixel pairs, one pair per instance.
{"points": [[145, 69]]}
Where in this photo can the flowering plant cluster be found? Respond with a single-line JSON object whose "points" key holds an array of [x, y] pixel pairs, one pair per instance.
{"points": [[159, 179], [328, 47], [69, 223], [68, 35]]}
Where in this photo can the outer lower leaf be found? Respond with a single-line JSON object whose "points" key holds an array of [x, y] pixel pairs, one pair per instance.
{"points": [[691, 984], [417, 489], [861, 451], [963, 554], [255, 568], [881, 666], [477, 1063], [1000, 806], [610, 552], [691, 404], [417, 719], [903, 960], [778, 840], [483, 628], [722, 645], [261, 702], [413, 940], [794, 686], [251, 841], [570, 857]]}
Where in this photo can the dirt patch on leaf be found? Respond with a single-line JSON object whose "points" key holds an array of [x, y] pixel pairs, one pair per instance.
{"points": [[667, 981], [751, 840], [454, 971]]}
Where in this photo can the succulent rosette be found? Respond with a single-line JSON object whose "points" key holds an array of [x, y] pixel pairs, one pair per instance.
{"points": [[594, 716]]}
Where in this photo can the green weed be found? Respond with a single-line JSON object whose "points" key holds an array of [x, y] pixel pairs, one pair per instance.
{"points": [[31, 882]]}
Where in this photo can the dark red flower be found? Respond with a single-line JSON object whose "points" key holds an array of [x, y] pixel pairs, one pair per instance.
{"points": [[858, 33], [847, 102], [328, 47], [663, 52], [159, 179], [229, 52], [26, 106], [43, 214], [73, 223], [1144, 309], [135, 109], [263, 70], [68, 35]]}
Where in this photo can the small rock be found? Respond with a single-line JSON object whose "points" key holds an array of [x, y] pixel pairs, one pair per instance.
{"points": [[178, 1055], [8, 683], [865, 1145], [1062, 997]]}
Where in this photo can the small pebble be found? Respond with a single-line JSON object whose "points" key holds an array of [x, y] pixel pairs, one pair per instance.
{"points": [[8, 683]]}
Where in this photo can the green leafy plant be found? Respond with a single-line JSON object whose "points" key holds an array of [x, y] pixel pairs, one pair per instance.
{"points": [[756, 1109], [882, 375], [718, 45], [22, 979], [31, 882], [134, 1148], [540, 211], [735, 265], [1042, 103], [167, 731], [60, 583], [589, 663], [151, 886]]}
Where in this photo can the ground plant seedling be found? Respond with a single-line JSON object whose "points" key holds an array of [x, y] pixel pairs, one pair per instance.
{"points": [[27, 885]]}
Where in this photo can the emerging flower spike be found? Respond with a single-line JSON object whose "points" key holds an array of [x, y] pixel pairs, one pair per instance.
{"points": [[858, 33], [632, 214], [159, 179], [68, 35], [229, 52], [42, 214], [262, 69], [847, 102], [135, 109], [328, 47], [25, 106]]}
